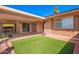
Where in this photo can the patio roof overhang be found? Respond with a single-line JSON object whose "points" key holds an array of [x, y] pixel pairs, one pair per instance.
{"points": [[13, 14], [67, 13]]}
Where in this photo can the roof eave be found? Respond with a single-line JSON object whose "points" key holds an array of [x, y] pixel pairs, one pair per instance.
{"points": [[62, 13], [22, 12]]}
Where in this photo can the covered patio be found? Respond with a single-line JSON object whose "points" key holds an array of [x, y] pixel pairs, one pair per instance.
{"points": [[23, 22]]}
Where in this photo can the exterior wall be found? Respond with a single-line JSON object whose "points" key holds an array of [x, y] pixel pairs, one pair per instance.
{"points": [[39, 27], [30, 27], [76, 22], [49, 28], [2, 22], [18, 19], [18, 27]]}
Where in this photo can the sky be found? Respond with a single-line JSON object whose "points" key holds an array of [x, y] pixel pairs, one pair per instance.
{"points": [[43, 10]]}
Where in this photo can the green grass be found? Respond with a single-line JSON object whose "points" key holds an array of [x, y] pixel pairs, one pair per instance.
{"points": [[42, 45]]}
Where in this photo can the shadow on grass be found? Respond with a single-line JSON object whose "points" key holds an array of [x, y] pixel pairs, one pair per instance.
{"points": [[67, 49]]}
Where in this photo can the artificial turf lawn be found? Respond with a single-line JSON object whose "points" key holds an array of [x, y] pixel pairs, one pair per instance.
{"points": [[42, 45]]}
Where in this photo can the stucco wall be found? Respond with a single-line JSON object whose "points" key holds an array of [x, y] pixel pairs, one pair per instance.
{"points": [[76, 22], [18, 27], [49, 28], [39, 27]]}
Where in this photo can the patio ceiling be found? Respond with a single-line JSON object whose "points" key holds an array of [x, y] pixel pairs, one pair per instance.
{"points": [[13, 14]]}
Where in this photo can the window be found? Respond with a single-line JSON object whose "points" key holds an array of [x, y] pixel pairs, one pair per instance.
{"points": [[34, 24], [64, 23], [28, 27], [25, 27], [58, 23], [67, 23]]}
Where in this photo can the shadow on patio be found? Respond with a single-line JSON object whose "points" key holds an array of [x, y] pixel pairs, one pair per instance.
{"points": [[75, 39], [7, 51], [16, 35], [72, 43], [5, 47]]}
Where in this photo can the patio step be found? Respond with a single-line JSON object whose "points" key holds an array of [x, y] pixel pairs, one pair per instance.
{"points": [[76, 49]]}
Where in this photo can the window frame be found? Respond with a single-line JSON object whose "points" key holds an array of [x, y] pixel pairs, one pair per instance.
{"points": [[61, 22], [69, 22], [55, 23], [26, 27]]}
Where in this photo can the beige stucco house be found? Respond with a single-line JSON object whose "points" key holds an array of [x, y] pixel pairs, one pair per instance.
{"points": [[66, 23], [22, 22]]}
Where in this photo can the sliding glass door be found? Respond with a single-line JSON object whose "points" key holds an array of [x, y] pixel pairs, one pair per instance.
{"points": [[25, 27]]}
